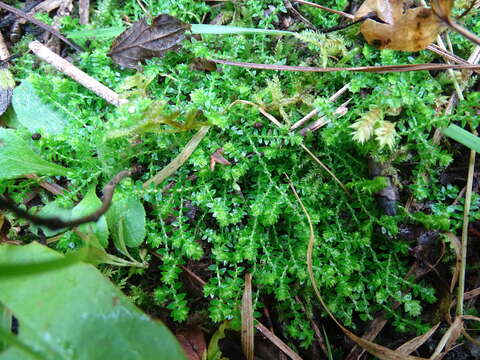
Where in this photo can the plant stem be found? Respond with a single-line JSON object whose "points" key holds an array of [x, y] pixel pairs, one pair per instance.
{"points": [[463, 264]]}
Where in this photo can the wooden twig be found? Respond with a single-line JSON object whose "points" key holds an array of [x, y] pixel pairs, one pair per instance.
{"points": [[75, 73], [83, 9], [40, 24], [55, 222]]}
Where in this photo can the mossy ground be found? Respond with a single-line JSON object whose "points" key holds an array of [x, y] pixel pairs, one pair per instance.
{"points": [[243, 217]]}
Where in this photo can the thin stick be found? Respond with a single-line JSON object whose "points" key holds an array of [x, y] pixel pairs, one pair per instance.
{"points": [[55, 222], [175, 164], [338, 12], [40, 24], [75, 73], [83, 9], [382, 69]]}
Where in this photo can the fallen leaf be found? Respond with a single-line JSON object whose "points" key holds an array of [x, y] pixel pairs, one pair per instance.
{"points": [[201, 64], [143, 41], [413, 344], [193, 342], [217, 158], [399, 27]]}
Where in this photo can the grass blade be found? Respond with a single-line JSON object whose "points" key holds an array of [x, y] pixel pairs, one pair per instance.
{"points": [[463, 137], [229, 30]]}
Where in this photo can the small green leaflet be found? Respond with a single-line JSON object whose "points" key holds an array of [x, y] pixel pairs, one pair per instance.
{"points": [[126, 221], [463, 137], [35, 114], [17, 159], [88, 205], [74, 312]]}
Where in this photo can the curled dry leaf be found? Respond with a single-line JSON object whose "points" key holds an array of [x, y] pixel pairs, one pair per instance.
{"points": [[399, 26], [143, 41], [193, 342], [217, 157]]}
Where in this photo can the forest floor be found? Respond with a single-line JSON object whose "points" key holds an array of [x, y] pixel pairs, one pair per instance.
{"points": [[248, 179]]}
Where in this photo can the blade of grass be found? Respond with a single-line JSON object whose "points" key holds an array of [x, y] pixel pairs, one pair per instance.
{"points": [[463, 137], [204, 29]]}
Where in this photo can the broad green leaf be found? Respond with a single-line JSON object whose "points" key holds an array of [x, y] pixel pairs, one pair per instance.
{"points": [[463, 137], [5, 324], [35, 114], [88, 205], [126, 221], [17, 159], [76, 313]]}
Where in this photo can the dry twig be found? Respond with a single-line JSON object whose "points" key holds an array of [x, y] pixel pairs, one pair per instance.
{"points": [[75, 73]]}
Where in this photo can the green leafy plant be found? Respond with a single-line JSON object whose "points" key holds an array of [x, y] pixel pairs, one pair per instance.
{"points": [[58, 310]]}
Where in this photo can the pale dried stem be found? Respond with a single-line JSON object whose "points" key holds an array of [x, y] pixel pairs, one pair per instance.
{"points": [[75, 73], [314, 112], [4, 53], [83, 9], [322, 121], [466, 211], [176, 163]]}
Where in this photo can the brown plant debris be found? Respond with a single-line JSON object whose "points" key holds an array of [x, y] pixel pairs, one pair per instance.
{"points": [[143, 41], [398, 26]]}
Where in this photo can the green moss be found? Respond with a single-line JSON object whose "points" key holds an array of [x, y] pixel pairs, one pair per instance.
{"points": [[247, 219]]}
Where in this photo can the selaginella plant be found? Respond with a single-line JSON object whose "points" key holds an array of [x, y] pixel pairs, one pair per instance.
{"points": [[243, 217]]}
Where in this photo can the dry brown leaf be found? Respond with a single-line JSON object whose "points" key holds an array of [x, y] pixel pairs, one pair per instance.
{"points": [[458, 254], [193, 342], [247, 319], [217, 158], [413, 344], [449, 338], [143, 41], [401, 27]]}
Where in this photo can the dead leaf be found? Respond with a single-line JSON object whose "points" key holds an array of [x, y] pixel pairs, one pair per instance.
{"points": [[143, 41], [399, 27], [247, 319], [458, 254], [201, 64], [217, 158], [193, 342], [449, 338], [413, 344]]}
